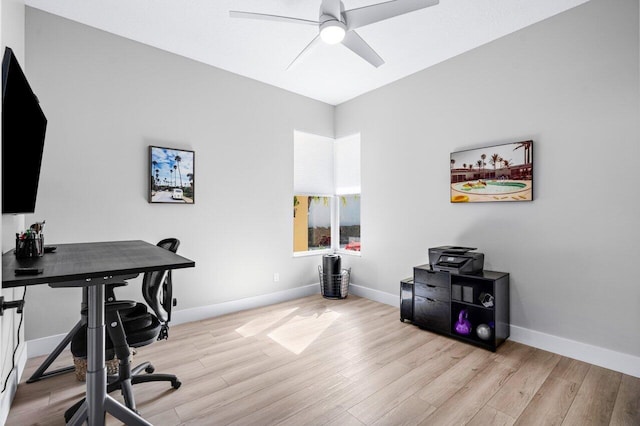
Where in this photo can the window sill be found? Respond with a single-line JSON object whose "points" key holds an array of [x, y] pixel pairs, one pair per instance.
{"points": [[312, 253], [327, 251], [349, 252]]}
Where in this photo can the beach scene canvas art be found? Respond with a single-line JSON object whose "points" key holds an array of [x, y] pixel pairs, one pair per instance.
{"points": [[172, 176], [494, 173]]}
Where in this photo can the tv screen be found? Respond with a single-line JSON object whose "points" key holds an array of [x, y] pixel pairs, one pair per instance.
{"points": [[23, 130]]}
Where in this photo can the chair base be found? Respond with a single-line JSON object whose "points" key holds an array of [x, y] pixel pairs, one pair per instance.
{"points": [[126, 386]]}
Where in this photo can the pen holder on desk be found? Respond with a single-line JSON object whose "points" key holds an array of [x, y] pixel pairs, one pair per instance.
{"points": [[29, 247]]}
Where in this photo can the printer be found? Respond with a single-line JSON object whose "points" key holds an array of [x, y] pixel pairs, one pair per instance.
{"points": [[457, 260]]}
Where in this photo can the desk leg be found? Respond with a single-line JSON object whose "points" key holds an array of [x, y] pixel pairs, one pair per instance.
{"points": [[98, 402], [41, 373], [96, 369]]}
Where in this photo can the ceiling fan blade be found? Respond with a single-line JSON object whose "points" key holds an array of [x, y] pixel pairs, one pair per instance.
{"points": [[265, 17], [356, 18], [360, 47], [331, 8], [304, 52]]}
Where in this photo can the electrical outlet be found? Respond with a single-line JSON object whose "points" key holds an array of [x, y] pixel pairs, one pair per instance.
{"points": [[276, 277]]}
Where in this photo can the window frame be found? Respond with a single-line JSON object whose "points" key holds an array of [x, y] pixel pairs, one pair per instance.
{"points": [[334, 204], [338, 249], [324, 251]]}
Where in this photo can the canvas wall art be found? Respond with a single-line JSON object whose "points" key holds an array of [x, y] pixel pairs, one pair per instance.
{"points": [[494, 173], [172, 175]]}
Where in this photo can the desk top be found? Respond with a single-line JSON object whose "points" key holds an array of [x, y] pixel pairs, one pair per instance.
{"points": [[71, 262]]}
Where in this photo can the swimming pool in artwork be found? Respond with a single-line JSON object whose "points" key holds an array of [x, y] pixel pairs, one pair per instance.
{"points": [[483, 187]]}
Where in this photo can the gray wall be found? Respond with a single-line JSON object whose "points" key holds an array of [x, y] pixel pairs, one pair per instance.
{"points": [[107, 99], [569, 83]]}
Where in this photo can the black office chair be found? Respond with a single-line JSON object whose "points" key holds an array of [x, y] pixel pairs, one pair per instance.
{"points": [[131, 325]]}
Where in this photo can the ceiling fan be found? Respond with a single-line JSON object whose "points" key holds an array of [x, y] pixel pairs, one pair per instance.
{"points": [[337, 25]]}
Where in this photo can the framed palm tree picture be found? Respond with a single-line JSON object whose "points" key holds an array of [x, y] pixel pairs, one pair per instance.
{"points": [[494, 173], [171, 175]]}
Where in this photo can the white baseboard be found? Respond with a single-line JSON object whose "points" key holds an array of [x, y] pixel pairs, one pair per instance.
{"points": [[617, 361], [43, 345], [203, 312], [375, 295], [6, 398], [596, 355]]}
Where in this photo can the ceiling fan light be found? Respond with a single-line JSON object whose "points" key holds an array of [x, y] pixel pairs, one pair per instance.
{"points": [[332, 32]]}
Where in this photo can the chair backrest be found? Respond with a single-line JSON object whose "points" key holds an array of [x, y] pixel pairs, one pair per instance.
{"points": [[157, 288]]}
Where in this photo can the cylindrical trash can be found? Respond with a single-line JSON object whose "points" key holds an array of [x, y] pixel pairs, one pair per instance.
{"points": [[334, 281]]}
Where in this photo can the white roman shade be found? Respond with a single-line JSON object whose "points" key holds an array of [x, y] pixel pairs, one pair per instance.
{"points": [[312, 164], [347, 165]]}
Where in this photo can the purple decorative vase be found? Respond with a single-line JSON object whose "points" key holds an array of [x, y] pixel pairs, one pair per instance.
{"points": [[463, 326]]}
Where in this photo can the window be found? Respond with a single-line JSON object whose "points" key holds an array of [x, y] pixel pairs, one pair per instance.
{"points": [[326, 201], [312, 222], [349, 222], [347, 190]]}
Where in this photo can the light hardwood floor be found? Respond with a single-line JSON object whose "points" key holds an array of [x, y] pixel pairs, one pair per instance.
{"points": [[314, 361]]}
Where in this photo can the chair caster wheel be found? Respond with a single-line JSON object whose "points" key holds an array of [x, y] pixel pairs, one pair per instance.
{"points": [[150, 369], [176, 384]]}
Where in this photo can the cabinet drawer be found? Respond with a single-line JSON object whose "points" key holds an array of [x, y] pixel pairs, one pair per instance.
{"points": [[431, 314], [427, 276], [431, 291]]}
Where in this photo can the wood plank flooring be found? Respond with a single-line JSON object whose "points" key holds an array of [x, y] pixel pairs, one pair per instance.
{"points": [[314, 361]]}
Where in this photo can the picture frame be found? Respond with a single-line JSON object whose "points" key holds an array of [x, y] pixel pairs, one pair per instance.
{"points": [[171, 175], [508, 177]]}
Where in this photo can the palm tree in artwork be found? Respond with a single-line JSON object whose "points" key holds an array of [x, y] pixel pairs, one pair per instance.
{"points": [[157, 177], [155, 164], [470, 166], [495, 160], [171, 171], [483, 157], [178, 160], [453, 161], [190, 177], [506, 163], [526, 145], [479, 164], [175, 176]]}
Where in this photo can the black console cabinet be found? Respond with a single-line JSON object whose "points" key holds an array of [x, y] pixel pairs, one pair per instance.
{"points": [[437, 299]]}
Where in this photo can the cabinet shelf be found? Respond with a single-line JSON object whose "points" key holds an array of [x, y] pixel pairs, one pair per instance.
{"points": [[426, 300], [474, 341], [473, 305]]}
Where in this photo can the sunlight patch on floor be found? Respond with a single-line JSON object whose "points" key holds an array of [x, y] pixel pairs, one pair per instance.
{"points": [[300, 331], [263, 322]]}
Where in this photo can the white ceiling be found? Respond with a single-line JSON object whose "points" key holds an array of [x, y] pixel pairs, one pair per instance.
{"points": [[262, 50]]}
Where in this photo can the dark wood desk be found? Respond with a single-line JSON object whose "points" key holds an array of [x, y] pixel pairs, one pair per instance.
{"points": [[93, 265]]}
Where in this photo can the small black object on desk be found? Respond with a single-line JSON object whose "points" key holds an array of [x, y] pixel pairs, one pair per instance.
{"points": [[28, 271]]}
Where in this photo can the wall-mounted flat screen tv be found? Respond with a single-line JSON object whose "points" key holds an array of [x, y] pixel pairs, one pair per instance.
{"points": [[494, 173], [23, 130]]}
